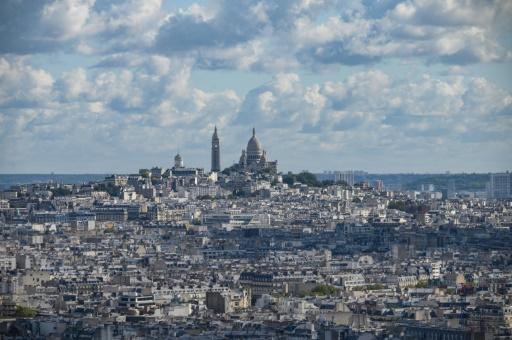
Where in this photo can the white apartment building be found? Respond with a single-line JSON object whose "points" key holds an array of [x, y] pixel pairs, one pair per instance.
{"points": [[349, 281], [7, 263], [347, 176], [499, 186]]}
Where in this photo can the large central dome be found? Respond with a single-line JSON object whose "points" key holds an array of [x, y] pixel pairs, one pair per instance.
{"points": [[254, 150]]}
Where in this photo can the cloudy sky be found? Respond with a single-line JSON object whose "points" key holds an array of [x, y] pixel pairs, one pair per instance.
{"points": [[111, 86]]}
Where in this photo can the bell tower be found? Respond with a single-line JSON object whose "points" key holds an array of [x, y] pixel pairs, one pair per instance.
{"points": [[215, 152]]}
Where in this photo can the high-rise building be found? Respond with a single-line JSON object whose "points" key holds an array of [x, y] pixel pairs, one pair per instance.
{"points": [[499, 186], [450, 190], [215, 152], [378, 184], [346, 176]]}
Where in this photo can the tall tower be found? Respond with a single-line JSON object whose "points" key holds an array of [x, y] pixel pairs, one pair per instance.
{"points": [[215, 152]]}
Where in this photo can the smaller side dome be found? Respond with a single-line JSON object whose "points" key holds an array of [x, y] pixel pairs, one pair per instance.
{"points": [[264, 158], [243, 158]]}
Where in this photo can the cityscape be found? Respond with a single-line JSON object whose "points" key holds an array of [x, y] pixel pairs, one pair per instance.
{"points": [[257, 169], [246, 251]]}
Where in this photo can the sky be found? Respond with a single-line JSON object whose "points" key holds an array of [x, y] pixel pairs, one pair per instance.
{"points": [[384, 86]]}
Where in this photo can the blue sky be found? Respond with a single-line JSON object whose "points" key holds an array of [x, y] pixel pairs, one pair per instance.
{"points": [[94, 86]]}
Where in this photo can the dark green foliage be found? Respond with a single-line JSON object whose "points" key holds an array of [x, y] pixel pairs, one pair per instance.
{"points": [[289, 179], [196, 221], [398, 205], [240, 193], [375, 286], [327, 182], [60, 192], [205, 197], [110, 230], [320, 290], [356, 200], [421, 284], [306, 178], [324, 289], [112, 190], [24, 312], [226, 171]]}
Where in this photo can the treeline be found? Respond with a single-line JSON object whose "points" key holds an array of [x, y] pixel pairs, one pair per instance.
{"points": [[112, 190], [60, 192], [309, 179], [320, 290], [462, 181]]}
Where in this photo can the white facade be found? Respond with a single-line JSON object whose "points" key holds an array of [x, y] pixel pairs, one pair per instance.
{"points": [[349, 281], [347, 176], [498, 186]]}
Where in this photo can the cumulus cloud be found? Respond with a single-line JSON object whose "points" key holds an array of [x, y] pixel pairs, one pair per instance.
{"points": [[247, 35], [137, 94], [21, 85], [372, 110], [113, 113]]}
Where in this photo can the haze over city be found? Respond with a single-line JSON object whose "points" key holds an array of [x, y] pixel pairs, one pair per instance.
{"points": [[385, 86]]}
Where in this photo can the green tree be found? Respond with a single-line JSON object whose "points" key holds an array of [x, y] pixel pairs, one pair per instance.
{"points": [[305, 178], [112, 190], [304, 294], [327, 183], [376, 286], [24, 312], [398, 205], [324, 289], [289, 179], [205, 197], [356, 200], [226, 171], [240, 193], [421, 284], [60, 192]]}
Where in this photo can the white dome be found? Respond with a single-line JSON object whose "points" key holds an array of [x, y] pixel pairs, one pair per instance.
{"points": [[254, 149]]}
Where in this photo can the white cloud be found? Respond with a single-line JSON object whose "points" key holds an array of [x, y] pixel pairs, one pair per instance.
{"points": [[138, 94], [23, 85], [63, 20]]}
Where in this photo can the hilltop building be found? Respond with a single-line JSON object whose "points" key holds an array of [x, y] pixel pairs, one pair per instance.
{"points": [[215, 152], [179, 169], [254, 158]]}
